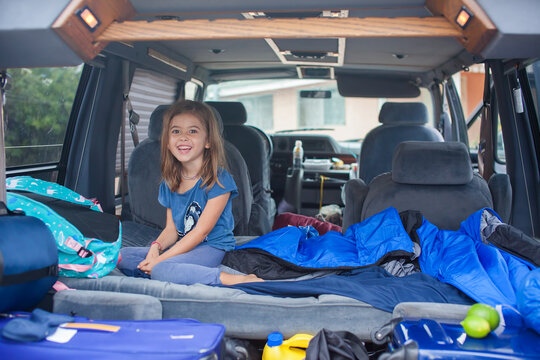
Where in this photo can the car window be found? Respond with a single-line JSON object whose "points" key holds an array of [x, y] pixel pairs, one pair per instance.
{"points": [[314, 111], [306, 105], [191, 89], [500, 155], [37, 110], [470, 88]]}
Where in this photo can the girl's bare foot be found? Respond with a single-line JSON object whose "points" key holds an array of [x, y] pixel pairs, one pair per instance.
{"points": [[230, 279]]}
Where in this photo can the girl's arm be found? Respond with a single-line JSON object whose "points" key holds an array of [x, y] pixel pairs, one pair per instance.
{"points": [[208, 219], [168, 236]]}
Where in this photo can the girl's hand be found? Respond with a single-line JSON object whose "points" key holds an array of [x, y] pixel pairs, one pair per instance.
{"points": [[147, 265]]}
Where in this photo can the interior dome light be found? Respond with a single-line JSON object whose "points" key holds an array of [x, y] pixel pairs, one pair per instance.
{"points": [[88, 18], [463, 17]]}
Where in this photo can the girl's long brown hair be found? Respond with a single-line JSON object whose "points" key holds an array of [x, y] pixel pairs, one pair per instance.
{"points": [[214, 157]]}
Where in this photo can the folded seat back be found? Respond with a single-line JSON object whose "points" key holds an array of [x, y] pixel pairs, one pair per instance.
{"points": [[435, 178]]}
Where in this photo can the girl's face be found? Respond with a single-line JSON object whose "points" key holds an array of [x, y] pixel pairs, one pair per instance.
{"points": [[188, 139]]}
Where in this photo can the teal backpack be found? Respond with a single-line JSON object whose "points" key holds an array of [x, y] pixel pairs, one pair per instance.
{"points": [[87, 239]]}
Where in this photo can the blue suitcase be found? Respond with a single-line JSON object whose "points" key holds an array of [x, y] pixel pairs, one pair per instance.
{"points": [[133, 340], [431, 339]]}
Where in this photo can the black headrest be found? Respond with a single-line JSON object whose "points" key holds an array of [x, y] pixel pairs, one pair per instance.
{"points": [[156, 121], [217, 115], [403, 113], [431, 163], [232, 112]]}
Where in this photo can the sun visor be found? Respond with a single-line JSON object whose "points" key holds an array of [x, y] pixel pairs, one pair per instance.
{"points": [[355, 85]]}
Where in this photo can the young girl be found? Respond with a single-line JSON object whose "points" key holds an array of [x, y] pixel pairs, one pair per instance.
{"points": [[197, 192]]}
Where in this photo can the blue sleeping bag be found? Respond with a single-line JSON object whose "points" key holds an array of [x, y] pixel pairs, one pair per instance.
{"points": [[465, 259], [363, 244]]}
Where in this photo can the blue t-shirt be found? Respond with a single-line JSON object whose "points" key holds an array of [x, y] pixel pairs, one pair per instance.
{"points": [[186, 209]]}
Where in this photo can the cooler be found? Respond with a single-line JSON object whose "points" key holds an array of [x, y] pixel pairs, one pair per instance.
{"points": [[431, 339], [129, 340]]}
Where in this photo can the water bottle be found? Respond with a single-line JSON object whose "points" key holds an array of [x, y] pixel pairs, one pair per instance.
{"points": [[292, 349], [353, 173], [298, 154]]}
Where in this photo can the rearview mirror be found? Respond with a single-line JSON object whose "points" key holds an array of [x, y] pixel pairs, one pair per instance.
{"points": [[316, 94]]}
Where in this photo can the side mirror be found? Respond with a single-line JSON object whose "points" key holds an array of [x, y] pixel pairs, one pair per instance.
{"points": [[316, 94]]}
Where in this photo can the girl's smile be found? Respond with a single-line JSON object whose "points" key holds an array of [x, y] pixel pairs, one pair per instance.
{"points": [[188, 140], [184, 149]]}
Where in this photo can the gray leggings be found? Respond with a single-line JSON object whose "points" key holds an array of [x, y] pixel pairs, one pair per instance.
{"points": [[199, 265]]}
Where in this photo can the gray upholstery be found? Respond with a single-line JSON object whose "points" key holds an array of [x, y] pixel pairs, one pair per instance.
{"points": [[501, 191], [446, 206], [144, 175], [453, 164], [451, 312], [244, 315], [445, 200], [254, 148], [232, 112], [242, 205], [156, 122], [400, 122], [414, 113], [144, 178], [354, 193], [105, 305], [137, 234]]}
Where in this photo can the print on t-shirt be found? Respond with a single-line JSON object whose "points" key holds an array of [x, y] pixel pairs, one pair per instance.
{"points": [[193, 212]]}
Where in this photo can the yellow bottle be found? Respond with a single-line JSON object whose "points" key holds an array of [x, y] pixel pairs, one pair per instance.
{"points": [[292, 349]]}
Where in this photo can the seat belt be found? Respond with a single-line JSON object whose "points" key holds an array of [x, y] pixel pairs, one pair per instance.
{"points": [[3, 88], [445, 126], [133, 120], [485, 146], [126, 107]]}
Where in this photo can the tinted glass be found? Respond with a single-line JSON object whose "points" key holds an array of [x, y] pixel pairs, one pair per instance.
{"points": [[38, 106]]}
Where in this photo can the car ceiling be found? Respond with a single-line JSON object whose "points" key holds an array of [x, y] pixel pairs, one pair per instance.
{"points": [[421, 57], [224, 56]]}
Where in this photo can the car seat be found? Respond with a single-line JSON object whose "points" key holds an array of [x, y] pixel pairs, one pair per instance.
{"points": [[256, 148], [400, 122], [144, 178], [435, 178]]}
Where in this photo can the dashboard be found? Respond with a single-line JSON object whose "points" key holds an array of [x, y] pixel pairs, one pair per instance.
{"points": [[284, 143], [315, 147]]}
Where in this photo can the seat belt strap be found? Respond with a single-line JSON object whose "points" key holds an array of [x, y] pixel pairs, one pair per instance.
{"points": [[133, 117], [485, 146], [133, 121], [445, 117], [125, 81]]}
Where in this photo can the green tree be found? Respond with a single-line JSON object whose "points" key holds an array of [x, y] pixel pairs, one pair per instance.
{"points": [[37, 112]]}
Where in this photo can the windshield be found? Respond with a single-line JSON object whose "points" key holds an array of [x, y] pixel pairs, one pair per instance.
{"points": [[309, 106]]}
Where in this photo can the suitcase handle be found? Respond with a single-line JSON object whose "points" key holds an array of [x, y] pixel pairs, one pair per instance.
{"points": [[384, 334]]}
